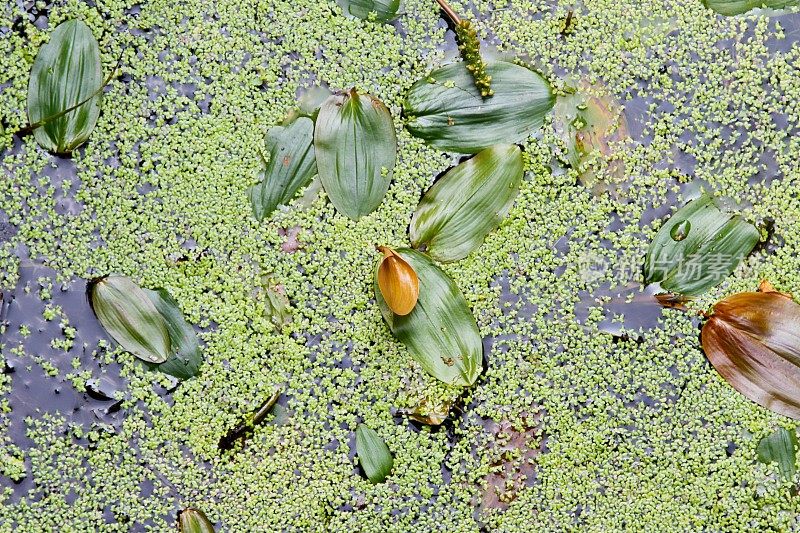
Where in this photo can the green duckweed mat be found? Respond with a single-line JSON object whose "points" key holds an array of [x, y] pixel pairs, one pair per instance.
{"points": [[582, 420]]}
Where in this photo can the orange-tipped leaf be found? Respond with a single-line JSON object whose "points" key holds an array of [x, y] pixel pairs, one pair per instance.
{"points": [[398, 282]]}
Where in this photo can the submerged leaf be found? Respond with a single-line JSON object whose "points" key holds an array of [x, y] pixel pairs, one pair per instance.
{"points": [[737, 7], [373, 454], [780, 447], [711, 244], [590, 126], [384, 10], [186, 358], [129, 315], [397, 281], [291, 165], [194, 521], [356, 151], [440, 332], [277, 304], [429, 412], [467, 203], [312, 99], [447, 111], [753, 340], [66, 72]]}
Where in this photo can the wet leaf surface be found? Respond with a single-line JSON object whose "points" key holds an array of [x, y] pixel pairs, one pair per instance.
{"points": [[129, 315], [186, 358], [194, 521], [356, 151], [737, 7], [373, 454], [440, 332], [753, 340], [291, 165], [447, 111], [471, 200], [66, 72], [382, 10], [780, 447], [698, 247], [514, 450]]}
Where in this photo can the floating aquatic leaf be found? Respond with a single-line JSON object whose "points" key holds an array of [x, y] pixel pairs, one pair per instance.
{"points": [[590, 125], [373, 454], [713, 245], [440, 332], [250, 421], [467, 203], [129, 315], [447, 111], [291, 165], [186, 358], [194, 521], [66, 73], [356, 151], [737, 7], [753, 340], [397, 282], [780, 447], [382, 10]]}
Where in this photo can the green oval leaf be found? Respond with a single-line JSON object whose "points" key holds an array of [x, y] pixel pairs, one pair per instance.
{"points": [[447, 111], [753, 341], [737, 7], [185, 360], [194, 521], [373, 454], [440, 332], [129, 315], [780, 447], [356, 151], [467, 203], [707, 249], [291, 165], [381, 10], [65, 73]]}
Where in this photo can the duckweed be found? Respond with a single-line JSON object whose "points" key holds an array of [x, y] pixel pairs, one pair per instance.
{"points": [[636, 431]]}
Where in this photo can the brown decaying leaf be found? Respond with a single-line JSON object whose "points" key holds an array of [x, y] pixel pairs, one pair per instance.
{"points": [[514, 451], [398, 282], [753, 340]]}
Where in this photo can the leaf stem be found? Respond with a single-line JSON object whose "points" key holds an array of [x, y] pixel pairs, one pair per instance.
{"points": [[250, 421], [27, 130], [451, 14]]}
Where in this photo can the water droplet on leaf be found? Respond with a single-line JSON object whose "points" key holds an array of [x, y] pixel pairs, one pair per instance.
{"points": [[680, 231]]}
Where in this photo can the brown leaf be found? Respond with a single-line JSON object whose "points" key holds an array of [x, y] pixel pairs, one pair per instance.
{"points": [[753, 340], [398, 282]]}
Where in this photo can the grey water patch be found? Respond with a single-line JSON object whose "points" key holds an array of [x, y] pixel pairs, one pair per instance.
{"points": [[628, 311], [790, 24], [7, 230], [50, 332]]}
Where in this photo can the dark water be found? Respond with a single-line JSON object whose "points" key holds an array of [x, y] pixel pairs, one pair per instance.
{"points": [[35, 393]]}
